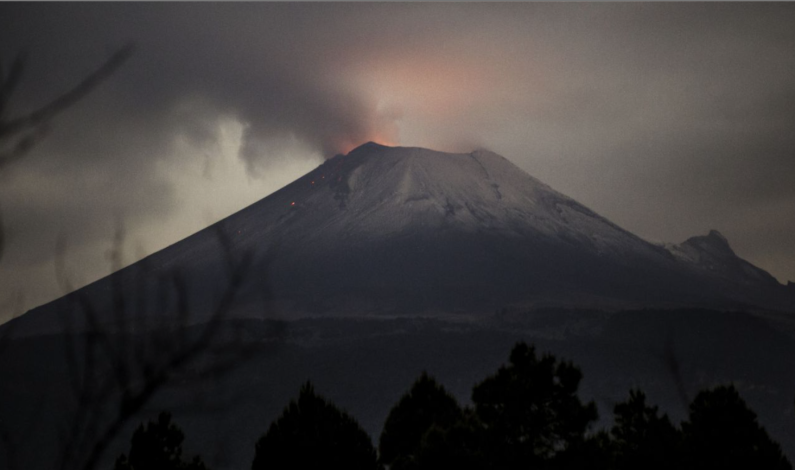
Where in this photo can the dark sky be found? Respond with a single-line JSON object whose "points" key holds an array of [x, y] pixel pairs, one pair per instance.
{"points": [[669, 119]]}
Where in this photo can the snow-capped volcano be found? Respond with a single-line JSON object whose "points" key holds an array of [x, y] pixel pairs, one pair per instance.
{"points": [[375, 194], [397, 230]]}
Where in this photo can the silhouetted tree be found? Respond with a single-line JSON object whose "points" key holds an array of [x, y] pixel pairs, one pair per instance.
{"points": [[458, 446], [528, 415], [158, 446], [642, 438], [594, 452], [427, 404], [722, 432], [313, 433], [530, 410]]}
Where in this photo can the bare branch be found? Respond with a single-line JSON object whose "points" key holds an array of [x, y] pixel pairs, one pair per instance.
{"points": [[2, 237], [118, 360], [8, 84], [673, 367], [138, 366], [24, 132]]}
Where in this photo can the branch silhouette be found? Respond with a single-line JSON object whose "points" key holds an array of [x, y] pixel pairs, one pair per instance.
{"points": [[117, 367], [121, 370], [20, 134]]}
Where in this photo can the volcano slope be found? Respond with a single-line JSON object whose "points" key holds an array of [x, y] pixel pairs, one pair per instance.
{"points": [[408, 231]]}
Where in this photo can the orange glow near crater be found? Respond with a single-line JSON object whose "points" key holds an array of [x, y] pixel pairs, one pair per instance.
{"points": [[440, 97], [435, 98], [428, 85], [346, 144]]}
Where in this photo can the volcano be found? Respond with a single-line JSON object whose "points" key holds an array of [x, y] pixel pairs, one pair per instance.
{"points": [[381, 264], [410, 231]]}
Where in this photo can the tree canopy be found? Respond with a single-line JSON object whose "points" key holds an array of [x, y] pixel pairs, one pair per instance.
{"points": [[722, 432], [641, 437], [313, 433], [426, 405], [158, 446], [530, 409], [526, 415]]}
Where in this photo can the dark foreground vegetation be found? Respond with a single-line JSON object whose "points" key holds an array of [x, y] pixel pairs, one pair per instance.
{"points": [[526, 415]]}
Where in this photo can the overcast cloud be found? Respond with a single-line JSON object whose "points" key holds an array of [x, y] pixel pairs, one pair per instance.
{"points": [[669, 119]]}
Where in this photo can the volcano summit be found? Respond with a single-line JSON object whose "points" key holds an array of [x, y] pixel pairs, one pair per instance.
{"points": [[399, 230]]}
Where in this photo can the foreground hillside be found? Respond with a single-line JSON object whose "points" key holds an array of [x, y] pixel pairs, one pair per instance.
{"points": [[365, 365]]}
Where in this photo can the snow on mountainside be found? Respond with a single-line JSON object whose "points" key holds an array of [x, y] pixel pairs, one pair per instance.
{"points": [[712, 253], [398, 230], [377, 191]]}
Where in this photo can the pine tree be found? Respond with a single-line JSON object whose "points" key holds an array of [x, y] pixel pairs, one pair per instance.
{"points": [[722, 432], [642, 438], [313, 433], [426, 405], [158, 446], [530, 410]]}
